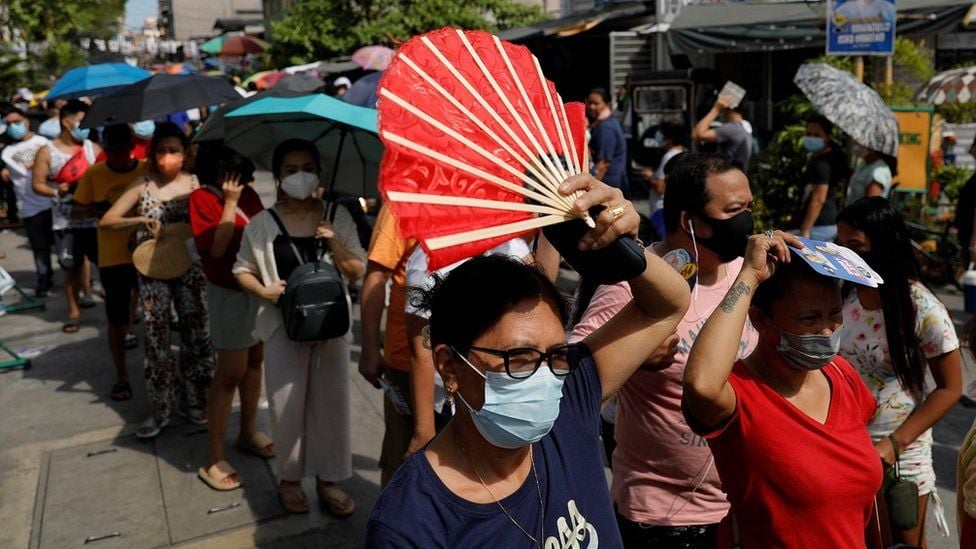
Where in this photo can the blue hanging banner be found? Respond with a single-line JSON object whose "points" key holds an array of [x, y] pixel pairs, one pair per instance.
{"points": [[860, 27]]}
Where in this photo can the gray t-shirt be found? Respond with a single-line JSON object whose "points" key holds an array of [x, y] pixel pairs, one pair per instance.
{"points": [[736, 141]]}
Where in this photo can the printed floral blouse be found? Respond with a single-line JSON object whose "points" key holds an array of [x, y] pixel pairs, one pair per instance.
{"points": [[865, 345]]}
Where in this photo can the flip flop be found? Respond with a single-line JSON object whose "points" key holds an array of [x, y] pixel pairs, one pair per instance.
{"points": [[217, 473], [258, 444], [293, 499], [336, 501], [152, 428], [70, 327], [121, 391]]}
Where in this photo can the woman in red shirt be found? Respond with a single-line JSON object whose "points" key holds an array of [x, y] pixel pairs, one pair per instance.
{"points": [[219, 210], [787, 425]]}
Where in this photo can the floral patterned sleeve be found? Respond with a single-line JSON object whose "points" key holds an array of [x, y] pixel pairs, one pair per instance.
{"points": [[934, 326]]}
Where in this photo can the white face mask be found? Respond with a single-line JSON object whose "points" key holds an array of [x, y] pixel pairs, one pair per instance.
{"points": [[300, 185]]}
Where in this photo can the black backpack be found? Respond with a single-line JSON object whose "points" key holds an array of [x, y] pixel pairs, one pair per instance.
{"points": [[315, 305]]}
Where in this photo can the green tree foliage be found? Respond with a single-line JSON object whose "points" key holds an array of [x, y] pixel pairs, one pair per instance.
{"points": [[57, 25], [320, 29]]}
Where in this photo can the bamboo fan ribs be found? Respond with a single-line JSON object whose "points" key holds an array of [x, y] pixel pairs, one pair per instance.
{"points": [[477, 143]]}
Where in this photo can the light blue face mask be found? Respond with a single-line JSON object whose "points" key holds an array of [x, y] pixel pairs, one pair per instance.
{"points": [[144, 129], [813, 144], [659, 137], [516, 412], [80, 134], [50, 128], [17, 130]]}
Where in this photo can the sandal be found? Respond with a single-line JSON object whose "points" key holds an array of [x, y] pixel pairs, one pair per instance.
{"points": [[130, 342], [258, 444], [334, 499], [293, 498], [196, 416], [70, 327], [220, 476], [151, 428], [86, 302], [121, 391]]}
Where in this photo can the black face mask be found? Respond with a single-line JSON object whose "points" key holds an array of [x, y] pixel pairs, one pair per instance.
{"points": [[729, 236]]}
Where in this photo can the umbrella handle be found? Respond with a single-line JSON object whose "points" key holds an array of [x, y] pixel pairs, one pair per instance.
{"points": [[335, 165]]}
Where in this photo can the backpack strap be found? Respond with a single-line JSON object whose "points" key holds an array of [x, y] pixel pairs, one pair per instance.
{"points": [[281, 227]]}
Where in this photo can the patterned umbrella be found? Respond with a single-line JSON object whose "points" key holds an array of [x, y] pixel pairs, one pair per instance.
{"points": [[955, 86], [234, 45], [373, 58], [852, 106]]}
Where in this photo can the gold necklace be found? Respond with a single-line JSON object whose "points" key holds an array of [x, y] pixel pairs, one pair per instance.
{"points": [[538, 489]]}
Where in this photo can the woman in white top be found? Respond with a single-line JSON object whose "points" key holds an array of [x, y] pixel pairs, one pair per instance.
{"points": [[893, 336], [307, 382], [873, 177]]}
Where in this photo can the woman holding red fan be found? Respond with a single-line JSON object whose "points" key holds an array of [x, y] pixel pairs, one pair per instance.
{"points": [[520, 463]]}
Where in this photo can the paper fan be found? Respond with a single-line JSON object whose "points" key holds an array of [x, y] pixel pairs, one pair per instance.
{"points": [[477, 142]]}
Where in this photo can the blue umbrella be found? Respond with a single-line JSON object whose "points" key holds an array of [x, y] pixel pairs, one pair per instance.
{"points": [[345, 135], [96, 80], [363, 91]]}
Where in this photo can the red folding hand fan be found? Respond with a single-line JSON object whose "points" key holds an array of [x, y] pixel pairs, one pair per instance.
{"points": [[477, 142]]}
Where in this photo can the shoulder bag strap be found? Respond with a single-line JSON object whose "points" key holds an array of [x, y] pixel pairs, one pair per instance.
{"points": [[281, 227]]}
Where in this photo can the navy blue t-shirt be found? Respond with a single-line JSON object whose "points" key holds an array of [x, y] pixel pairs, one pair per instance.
{"points": [[417, 510], [607, 142]]}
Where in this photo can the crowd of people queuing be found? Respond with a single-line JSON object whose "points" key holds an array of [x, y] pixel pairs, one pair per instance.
{"points": [[757, 403]]}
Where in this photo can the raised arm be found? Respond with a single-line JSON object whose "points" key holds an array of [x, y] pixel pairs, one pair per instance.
{"points": [[707, 393], [660, 294]]}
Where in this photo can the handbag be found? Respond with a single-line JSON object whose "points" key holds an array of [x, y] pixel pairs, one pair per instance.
{"points": [[315, 305], [73, 168], [901, 497]]}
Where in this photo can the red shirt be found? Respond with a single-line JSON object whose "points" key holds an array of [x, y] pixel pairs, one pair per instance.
{"points": [[140, 148], [793, 482], [206, 208]]}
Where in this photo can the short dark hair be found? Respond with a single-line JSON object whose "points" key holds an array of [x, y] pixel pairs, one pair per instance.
{"points": [[293, 145], [73, 106], [825, 124], [215, 160], [473, 297], [785, 279], [688, 184], [164, 131], [602, 92], [9, 108], [117, 137], [677, 132]]}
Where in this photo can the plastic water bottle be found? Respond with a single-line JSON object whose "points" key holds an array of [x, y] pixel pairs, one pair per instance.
{"points": [[969, 288]]}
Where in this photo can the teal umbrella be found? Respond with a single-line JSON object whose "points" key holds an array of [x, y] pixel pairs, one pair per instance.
{"points": [[345, 134], [213, 45]]}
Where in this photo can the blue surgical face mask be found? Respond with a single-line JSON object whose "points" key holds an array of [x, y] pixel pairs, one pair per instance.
{"points": [[659, 137], [516, 412], [80, 134], [50, 128], [808, 352], [813, 144], [144, 129], [17, 130]]}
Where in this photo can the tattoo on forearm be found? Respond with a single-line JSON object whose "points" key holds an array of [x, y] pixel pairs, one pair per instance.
{"points": [[733, 296]]}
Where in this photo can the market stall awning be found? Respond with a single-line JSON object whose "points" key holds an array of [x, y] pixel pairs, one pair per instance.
{"points": [[575, 24], [716, 28]]}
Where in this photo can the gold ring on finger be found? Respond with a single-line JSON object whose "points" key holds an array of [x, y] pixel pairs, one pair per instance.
{"points": [[617, 212]]}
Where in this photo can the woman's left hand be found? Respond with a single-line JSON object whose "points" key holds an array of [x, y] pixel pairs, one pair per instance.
{"points": [[619, 217], [324, 230], [886, 451]]}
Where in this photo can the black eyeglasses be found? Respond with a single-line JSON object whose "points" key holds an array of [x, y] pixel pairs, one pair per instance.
{"points": [[522, 362]]}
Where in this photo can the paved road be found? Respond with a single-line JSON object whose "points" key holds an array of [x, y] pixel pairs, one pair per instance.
{"points": [[71, 468]]}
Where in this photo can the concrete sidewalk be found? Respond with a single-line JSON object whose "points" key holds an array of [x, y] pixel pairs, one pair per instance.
{"points": [[71, 468]]}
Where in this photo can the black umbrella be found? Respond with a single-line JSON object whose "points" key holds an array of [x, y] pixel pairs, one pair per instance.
{"points": [[159, 95], [300, 83], [363, 91]]}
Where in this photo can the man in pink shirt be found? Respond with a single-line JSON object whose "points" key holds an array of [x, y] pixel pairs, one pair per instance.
{"points": [[665, 485]]}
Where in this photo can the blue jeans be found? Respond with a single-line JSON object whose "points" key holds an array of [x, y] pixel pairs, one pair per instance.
{"points": [[41, 239], [824, 233]]}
